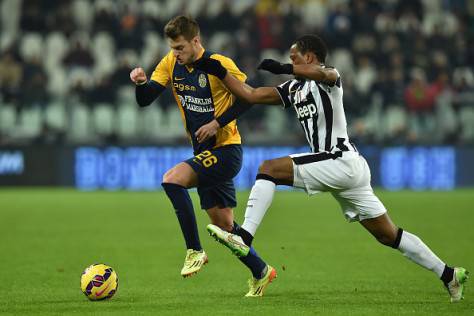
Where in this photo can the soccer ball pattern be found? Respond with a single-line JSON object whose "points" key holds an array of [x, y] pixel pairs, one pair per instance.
{"points": [[99, 281]]}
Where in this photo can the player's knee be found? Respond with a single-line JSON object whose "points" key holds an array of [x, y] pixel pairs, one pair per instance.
{"points": [[171, 177], [386, 239], [168, 177], [267, 167]]}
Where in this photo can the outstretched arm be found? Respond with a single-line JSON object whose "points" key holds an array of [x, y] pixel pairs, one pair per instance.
{"points": [[262, 95], [316, 72], [240, 89], [245, 92], [308, 71]]}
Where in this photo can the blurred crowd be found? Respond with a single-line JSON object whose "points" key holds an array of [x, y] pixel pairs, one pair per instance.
{"points": [[406, 65]]}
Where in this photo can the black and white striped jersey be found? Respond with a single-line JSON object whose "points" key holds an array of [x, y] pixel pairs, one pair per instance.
{"points": [[320, 110]]}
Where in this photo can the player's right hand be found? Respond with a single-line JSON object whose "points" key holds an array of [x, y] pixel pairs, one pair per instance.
{"points": [[207, 131], [211, 66], [276, 67], [138, 76]]}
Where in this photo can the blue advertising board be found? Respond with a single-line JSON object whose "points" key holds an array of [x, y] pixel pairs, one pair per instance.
{"points": [[142, 168]]}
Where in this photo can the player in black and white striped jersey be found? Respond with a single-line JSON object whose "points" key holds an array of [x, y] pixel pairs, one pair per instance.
{"points": [[334, 165], [319, 109]]}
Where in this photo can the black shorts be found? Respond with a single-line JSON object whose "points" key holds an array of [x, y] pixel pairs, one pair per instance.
{"points": [[215, 169]]}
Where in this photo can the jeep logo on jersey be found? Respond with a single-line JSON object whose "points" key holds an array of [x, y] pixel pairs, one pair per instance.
{"points": [[306, 110], [202, 80]]}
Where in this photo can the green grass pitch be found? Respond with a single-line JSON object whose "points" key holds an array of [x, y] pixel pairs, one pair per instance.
{"points": [[325, 265]]}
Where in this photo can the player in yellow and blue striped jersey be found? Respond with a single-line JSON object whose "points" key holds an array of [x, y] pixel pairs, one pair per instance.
{"points": [[201, 98]]}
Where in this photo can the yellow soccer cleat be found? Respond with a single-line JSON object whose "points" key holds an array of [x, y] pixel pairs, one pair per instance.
{"points": [[257, 286], [193, 262]]}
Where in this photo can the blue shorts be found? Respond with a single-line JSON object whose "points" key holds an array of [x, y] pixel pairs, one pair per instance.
{"points": [[215, 169]]}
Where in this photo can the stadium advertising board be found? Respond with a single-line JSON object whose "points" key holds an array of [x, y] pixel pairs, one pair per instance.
{"points": [[11, 162], [141, 168], [29, 166]]}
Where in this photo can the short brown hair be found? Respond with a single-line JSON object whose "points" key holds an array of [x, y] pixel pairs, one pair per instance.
{"points": [[182, 25]]}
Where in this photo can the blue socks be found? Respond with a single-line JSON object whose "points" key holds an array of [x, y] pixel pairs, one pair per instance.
{"points": [[183, 205], [252, 260]]}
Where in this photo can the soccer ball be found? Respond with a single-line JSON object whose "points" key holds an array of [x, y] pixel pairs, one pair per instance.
{"points": [[99, 282]]}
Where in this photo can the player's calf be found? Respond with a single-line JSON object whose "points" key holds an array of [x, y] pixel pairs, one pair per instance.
{"points": [[416, 250], [222, 217]]}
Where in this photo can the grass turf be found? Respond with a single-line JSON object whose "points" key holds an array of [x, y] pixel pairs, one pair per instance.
{"points": [[326, 266]]}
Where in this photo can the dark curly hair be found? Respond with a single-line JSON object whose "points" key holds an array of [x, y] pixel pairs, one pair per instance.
{"points": [[314, 44]]}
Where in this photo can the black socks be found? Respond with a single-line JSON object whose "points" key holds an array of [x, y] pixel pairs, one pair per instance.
{"points": [[252, 260], [447, 275], [246, 236]]}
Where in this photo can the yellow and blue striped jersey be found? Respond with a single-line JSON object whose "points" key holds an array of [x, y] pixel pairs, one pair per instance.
{"points": [[200, 97]]}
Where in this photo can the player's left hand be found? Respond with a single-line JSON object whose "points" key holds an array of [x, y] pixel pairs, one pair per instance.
{"points": [[276, 67], [207, 131]]}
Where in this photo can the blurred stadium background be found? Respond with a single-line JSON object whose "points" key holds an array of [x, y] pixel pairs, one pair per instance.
{"points": [[68, 118], [68, 115]]}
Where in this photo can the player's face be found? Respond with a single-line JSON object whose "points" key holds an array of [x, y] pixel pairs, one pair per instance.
{"points": [[185, 51], [297, 58]]}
